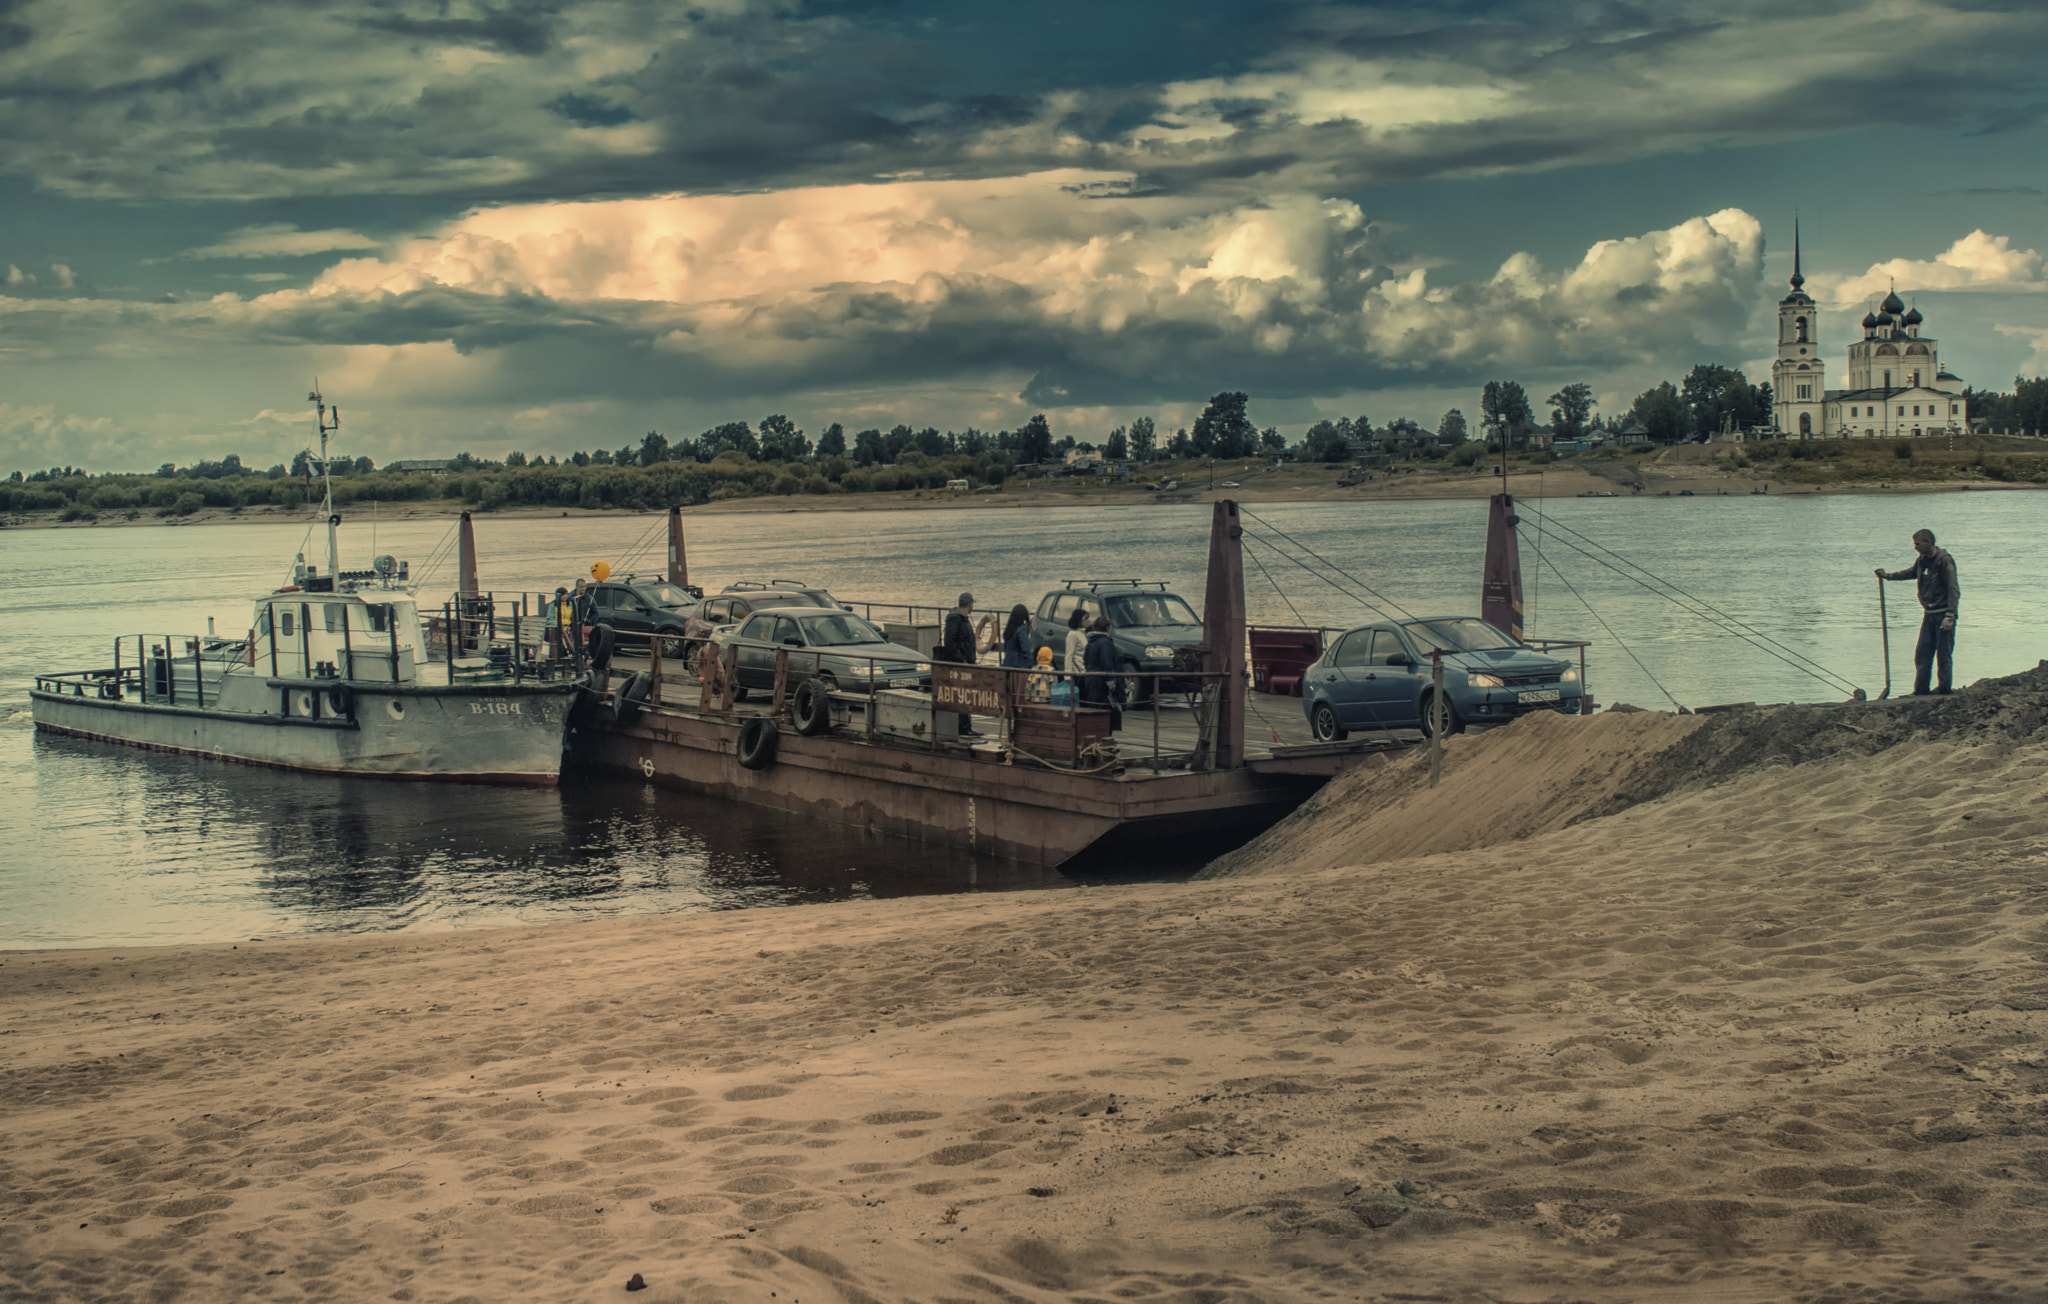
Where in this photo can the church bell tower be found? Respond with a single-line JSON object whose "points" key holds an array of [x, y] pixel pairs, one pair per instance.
{"points": [[1798, 383]]}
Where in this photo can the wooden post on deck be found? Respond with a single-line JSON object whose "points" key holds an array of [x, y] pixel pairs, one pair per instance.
{"points": [[678, 559], [1223, 634], [465, 558]]}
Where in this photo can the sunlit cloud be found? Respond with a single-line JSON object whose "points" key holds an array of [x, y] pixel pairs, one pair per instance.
{"points": [[1092, 302], [1977, 261], [279, 240]]}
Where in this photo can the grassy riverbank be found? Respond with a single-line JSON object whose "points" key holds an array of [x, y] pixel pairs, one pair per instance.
{"points": [[1842, 466]]}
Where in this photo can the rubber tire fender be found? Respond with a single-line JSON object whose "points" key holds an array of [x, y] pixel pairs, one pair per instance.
{"points": [[341, 701], [603, 638], [757, 742], [631, 697], [811, 710]]}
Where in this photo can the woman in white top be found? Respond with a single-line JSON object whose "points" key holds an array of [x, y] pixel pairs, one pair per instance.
{"points": [[1077, 640]]}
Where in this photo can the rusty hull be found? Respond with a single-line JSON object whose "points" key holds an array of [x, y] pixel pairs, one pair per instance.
{"points": [[1033, 815]]}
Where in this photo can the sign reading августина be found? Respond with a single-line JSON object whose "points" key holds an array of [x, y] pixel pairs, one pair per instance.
{"points": [[981, 690]]}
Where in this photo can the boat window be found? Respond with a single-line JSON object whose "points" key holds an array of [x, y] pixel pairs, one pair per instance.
{"points": [[380, 616], [263, 621], [287, 619], [337, 616], [1355, 649]]}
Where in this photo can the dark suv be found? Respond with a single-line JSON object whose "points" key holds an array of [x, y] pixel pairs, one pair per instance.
{"points": [[642, 610], [1147, 623], [739, 600]]}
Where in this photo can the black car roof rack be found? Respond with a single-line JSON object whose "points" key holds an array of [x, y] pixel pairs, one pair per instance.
{"points": [[1095, 585]]}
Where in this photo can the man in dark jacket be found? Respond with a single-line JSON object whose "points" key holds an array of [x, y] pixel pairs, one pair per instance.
{"points": [[1939, 596], [1100, 654], [956, 643]]}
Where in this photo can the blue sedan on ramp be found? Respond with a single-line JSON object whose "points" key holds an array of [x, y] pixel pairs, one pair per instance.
{"points": [[1377, 677]]}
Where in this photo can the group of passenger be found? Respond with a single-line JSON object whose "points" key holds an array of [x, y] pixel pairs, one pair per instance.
{"points": [[569, 618], [1057, 679]]}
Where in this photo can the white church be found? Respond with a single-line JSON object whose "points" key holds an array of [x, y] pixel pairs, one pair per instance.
{"points": [[1897, 385]]}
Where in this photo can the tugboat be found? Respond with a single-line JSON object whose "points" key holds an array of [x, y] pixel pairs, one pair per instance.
{"points": [[336, 676]]}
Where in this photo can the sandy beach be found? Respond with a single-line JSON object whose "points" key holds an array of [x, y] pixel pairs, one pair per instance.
{"points": [[1743, 1007]]}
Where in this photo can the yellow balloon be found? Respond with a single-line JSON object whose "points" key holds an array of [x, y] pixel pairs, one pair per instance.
{"points": [[600, 569]]}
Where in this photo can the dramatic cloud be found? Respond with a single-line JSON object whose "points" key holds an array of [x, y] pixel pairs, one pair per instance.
{"points": [[279, 240], [126, 97], [38, 437], [1976, 262], [1093, 301]]}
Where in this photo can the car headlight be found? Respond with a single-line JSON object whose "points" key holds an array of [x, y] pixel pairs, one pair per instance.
{"points": [[1570, 676], [1158, 651], [1484, 681]]}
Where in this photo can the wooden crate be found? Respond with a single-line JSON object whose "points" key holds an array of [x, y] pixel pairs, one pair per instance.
{"points": [[1053, 733]]}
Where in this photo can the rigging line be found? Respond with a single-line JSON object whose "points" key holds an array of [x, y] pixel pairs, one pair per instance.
{"points": [[1335, 584], [1282, 592], [1379, 599], [1616, 637], [1377, 723], [643, 544], [1813, 669], [1703, 605], [1707, 611]]}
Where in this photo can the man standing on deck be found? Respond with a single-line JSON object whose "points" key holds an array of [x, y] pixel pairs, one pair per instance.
{"points": [[586, 616], [956, 643], [1939, 594]]}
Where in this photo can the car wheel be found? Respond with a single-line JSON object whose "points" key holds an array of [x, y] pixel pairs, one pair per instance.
{"points": [[1141, 697], [1322, 721], [1452, 724], [691, 651], [672, 645]]}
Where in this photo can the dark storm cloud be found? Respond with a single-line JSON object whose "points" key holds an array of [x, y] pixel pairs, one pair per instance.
{"points": [[615, 97]]}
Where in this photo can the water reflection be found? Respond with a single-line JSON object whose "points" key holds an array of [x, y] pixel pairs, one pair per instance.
{"points": [[206, 849]]}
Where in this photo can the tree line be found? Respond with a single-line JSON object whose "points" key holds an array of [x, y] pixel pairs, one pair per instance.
{"points": [[736, 460]]}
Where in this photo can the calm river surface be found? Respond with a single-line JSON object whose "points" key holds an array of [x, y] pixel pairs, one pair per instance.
{"points": [[109, 845]]}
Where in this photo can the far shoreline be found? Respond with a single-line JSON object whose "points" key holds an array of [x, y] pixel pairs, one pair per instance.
{"points": [[1568, 482]]}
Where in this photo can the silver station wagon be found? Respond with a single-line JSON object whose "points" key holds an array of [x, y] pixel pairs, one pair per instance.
{"points": [[842, 649]]}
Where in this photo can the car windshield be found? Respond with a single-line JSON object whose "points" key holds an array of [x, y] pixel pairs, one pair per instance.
{"points": [[666, 595], [842, 629], [1144, 609], [1468, 635]]}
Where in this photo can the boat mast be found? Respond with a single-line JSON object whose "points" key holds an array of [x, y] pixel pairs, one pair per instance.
{"points": [[327, 427]]}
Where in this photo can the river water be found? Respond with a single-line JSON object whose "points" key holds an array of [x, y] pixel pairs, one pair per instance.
{"points": [[111, 845]]}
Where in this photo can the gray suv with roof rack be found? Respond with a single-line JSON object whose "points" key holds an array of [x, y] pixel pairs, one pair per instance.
{"points": [[1148, 624]]}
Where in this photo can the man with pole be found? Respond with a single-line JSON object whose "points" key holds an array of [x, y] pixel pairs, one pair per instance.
{"points": [[1939, 594]]}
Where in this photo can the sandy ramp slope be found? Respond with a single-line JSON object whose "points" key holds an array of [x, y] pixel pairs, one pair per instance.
{"points": [[1770, 1033]]}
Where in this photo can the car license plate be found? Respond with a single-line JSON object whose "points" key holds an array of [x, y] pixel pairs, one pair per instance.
{"points": [[1538, 695]]}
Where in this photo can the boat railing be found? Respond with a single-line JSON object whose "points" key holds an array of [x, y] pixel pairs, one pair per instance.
{"points": [[1044, 717], [168, 668], [477, 636]]}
